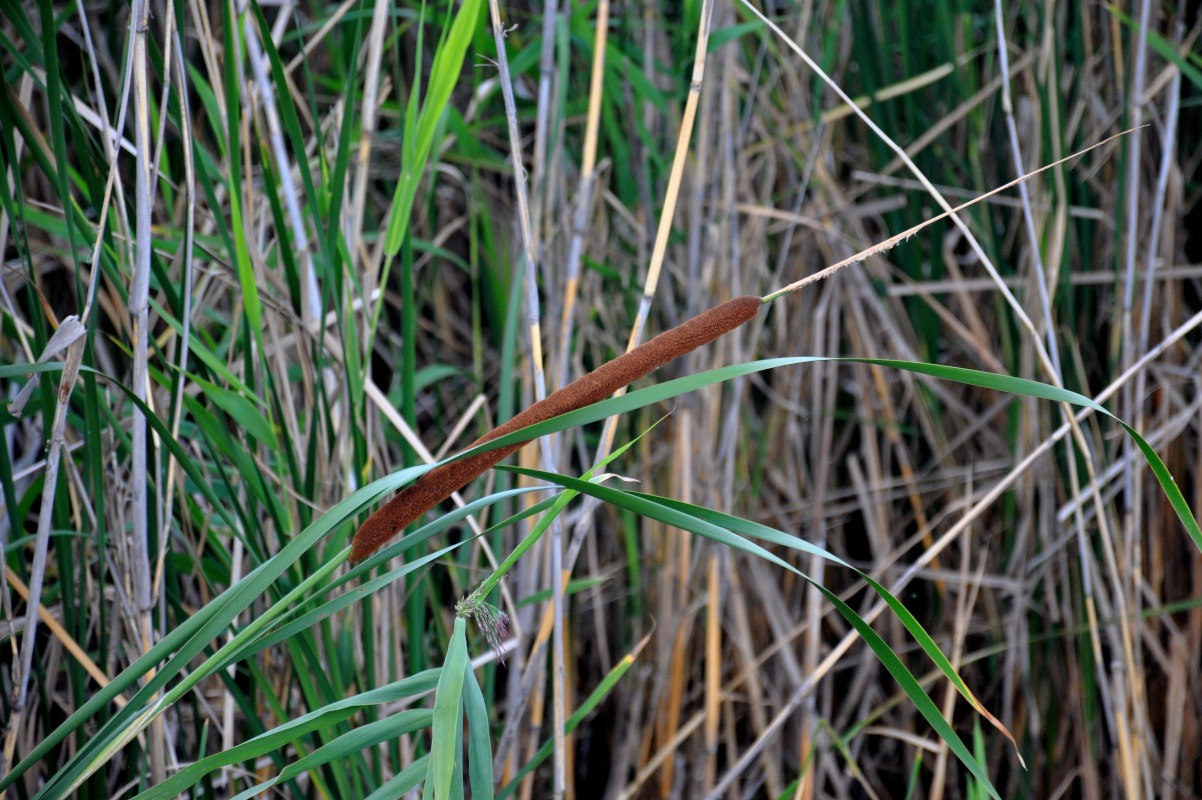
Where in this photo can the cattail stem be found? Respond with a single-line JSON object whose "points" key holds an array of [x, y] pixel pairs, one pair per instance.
{"points": [[441, 482], [893, 241]]}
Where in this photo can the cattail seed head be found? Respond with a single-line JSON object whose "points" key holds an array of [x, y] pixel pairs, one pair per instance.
{"points": [[441, 482]]}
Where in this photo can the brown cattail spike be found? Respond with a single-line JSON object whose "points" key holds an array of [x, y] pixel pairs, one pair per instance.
{"points": [[441, 482]]}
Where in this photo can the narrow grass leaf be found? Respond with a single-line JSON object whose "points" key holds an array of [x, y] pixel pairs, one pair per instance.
{"points": [[755, 529], [378, 582], [986, 380], [479, 743], [679, 519], [722, 36], [239, 224], [447, 713], [347, 745], [425, 532], [240, 408], [444, 73], [291, 730], [404, 782], [1005, 383], [1188, 64]]}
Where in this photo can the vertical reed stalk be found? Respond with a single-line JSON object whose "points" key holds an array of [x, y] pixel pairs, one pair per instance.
{"points": [[139, 306], [584, 189], [668, 213]]}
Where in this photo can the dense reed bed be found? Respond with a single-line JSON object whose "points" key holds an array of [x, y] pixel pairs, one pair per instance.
{"points": [[264, 265]]}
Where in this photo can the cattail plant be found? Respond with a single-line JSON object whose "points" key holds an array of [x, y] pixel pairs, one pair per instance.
{"points": [[441, 482]]}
